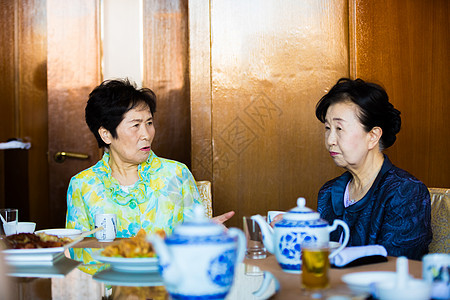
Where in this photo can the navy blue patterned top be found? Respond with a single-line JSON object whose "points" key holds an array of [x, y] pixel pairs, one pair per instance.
{"points": [[395, 212]]}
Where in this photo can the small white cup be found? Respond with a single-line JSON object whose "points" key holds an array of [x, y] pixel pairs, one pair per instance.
{"points": [[26, 227], [10, 228], [435, 270], [109, 222], [10, 216], [271, 214]]}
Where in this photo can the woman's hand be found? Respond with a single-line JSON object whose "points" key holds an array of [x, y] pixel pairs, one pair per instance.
{"points": [[223, 218], [277, 218]]}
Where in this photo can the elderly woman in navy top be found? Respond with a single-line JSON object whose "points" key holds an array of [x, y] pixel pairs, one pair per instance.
{"points": [[381, 204]]}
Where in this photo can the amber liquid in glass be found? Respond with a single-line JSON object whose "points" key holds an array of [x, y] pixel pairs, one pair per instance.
{"points": [[315, 266]]}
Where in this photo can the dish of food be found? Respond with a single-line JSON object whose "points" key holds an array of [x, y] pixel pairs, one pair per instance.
{"points": [[131, 255], [62, 232], [135, 247], [32, 248], [35, 241]]}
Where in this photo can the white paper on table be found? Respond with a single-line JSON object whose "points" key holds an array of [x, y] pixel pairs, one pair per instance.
{"points": [[350, 254]]}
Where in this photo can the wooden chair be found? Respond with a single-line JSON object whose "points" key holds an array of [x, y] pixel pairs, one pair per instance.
{"points": [[204, 188], [440, 220]]}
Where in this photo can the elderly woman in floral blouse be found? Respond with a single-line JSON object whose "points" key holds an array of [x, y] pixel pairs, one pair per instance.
{"points": [[142, 189]]}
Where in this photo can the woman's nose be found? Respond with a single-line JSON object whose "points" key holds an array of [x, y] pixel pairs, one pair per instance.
{"points": [[146, 133], [331, 138]]}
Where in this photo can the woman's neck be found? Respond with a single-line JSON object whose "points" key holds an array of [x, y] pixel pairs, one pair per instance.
{"points": [[124, 173], [364, 177]]}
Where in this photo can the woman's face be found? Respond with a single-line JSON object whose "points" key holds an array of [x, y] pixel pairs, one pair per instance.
{"points": [[345, 138], [134, 136]]}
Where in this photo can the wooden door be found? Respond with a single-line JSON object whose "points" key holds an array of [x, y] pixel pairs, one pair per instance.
{"points": [[50, 53], [51, 61], [258, 69], [73, 69], [23, 99]]}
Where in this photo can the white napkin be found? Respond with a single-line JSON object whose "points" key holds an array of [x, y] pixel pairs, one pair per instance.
{"points": [[14, 145], [349, 254]]}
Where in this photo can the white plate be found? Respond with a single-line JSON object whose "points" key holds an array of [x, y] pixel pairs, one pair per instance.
{"points": [[112, 277], [128, 265], [60, 268], [33, 256], [363, 282], [62, 232]]}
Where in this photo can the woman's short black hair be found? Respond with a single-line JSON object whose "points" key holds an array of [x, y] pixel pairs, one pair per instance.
{"points": [[375, 110], [109, 102]]}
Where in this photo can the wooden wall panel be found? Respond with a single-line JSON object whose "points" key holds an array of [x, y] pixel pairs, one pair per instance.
{"points": [[270, 64], [23, 102], [7, 78], [7, 74], [73, 71], [166, 73], [200, 89], [32, 96], [404, 45]]}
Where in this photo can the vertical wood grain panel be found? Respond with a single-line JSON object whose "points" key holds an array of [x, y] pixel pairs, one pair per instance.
{"points": [[7, 99], [270, 64], [166, 73], [404, 45], [23, 106], [32, 96], [73, 71], [7, 74], [200, 88]]}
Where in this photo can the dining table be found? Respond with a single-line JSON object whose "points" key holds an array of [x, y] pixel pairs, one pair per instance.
{"points": [[254, 279]]}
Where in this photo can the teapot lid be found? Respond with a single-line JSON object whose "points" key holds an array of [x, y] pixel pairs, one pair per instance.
{"points": [[198, 225], [301, 212]]}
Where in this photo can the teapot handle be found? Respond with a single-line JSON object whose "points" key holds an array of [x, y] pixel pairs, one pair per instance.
{"points": [[344, 225], [242, 243]]}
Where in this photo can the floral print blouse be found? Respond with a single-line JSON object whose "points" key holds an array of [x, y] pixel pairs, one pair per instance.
{"points": [[163, 196]]}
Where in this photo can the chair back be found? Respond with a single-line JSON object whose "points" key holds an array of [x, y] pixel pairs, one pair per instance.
{"points": [[204, 188], [440, 220]]}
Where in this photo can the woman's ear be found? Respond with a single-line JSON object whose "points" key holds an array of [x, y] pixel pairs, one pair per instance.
{"points": [[105, 135], [374, 137]]}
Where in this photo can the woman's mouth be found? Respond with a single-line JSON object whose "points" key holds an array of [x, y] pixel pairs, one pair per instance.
{"points": [[333, 154], [145, 149]]}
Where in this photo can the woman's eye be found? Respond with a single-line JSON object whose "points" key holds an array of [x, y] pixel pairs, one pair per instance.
{"points": [[327, 127], [149, 122], [339, 128]]}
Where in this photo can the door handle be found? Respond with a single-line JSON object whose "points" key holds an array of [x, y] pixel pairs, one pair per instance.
{"points": [[61, 156]]}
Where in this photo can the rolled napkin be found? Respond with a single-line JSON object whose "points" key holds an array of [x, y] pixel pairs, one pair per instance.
{"points": [[359, 255], [15, 145]]}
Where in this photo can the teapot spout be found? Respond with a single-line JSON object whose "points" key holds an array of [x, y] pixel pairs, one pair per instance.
{"points": [[168, 267], [267, 232]]}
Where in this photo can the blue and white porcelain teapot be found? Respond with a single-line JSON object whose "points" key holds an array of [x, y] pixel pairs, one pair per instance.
{"points": [[299, 225], [199, 258]]}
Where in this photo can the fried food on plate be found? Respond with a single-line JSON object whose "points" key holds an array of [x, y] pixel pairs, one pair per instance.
{"points": [[137, 246], [32, 240]]}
